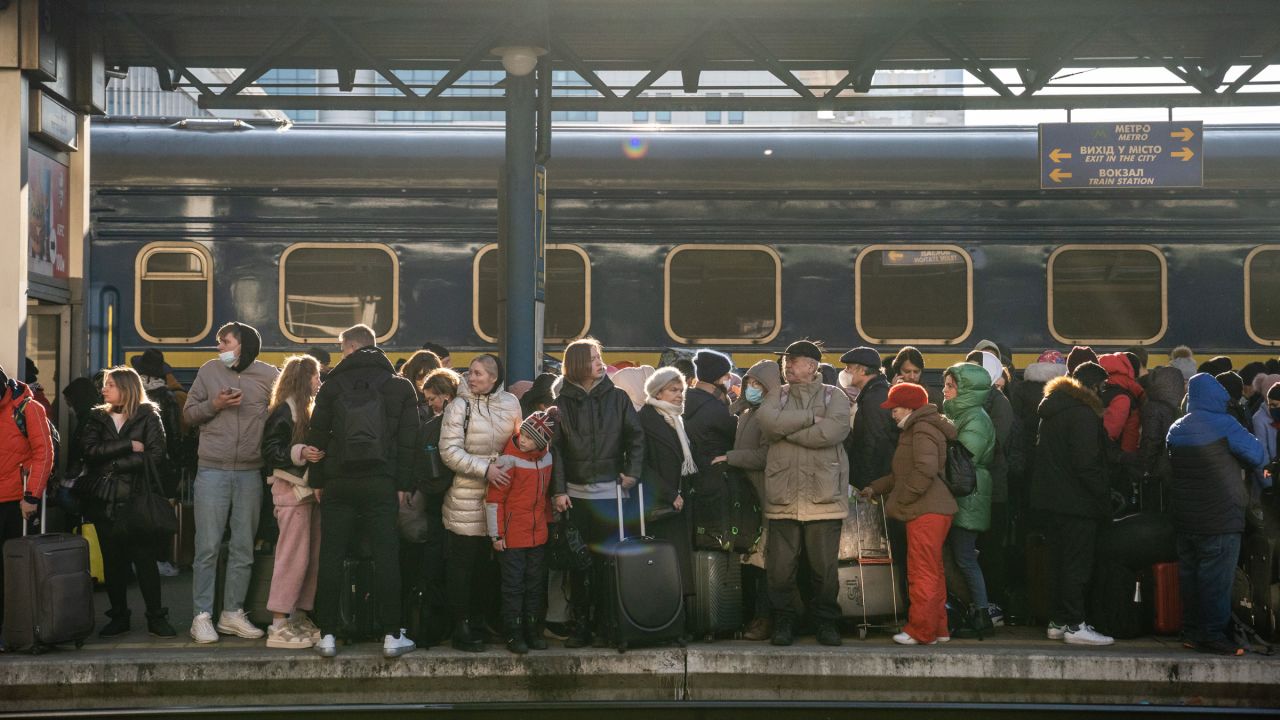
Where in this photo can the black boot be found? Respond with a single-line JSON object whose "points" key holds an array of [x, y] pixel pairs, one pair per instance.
{"points": [[465, 639], [515, 637], [581, 636], [119, 624], [533, 633], [158, 624], [782, 633]]}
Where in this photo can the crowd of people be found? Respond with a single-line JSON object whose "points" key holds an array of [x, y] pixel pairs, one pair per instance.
{"points": [[453, 485]]}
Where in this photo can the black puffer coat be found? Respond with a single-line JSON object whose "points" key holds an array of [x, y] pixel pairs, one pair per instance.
{"points": [[1165, 389], [109, 450], [597, 438], [710, 426], [874, 438], [1070, 465]]}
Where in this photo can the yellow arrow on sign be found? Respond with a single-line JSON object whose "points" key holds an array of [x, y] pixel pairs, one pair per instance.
{"points": [[1058, 156], [1185, 153], [1185, 134], [1058, 175]]}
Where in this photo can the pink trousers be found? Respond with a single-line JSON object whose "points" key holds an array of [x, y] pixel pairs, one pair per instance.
{"points": [[293, 580]]}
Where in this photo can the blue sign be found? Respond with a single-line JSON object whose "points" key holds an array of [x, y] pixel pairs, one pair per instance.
{"points": [[1121, 155]]}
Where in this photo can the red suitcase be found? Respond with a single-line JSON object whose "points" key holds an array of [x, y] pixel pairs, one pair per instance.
{"points": [[1168, 599]]}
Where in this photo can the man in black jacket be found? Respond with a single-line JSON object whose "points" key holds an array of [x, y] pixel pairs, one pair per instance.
{"points": [[1070, 488], [875, 434], [707, 420], [366, 422]]}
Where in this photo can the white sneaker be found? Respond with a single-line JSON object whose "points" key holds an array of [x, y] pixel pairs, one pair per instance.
{"points": [[943, 639], [202, 629], [287, 637], [167, 569], [327, 647], [305, 626], [236, 623], [393, 646], [904, 639], [1055, 631], [1083, 634]]}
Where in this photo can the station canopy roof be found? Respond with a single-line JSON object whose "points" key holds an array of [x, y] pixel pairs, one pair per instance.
{"points": [[815, 54]]}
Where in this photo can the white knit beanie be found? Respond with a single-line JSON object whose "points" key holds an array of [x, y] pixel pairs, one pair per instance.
{"points": [[661, 378]]}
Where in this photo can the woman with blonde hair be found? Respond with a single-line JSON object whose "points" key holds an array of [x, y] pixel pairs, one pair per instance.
{"points": [[124, 445], [285, 458]]}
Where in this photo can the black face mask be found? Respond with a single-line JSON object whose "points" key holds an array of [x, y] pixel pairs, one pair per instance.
{"points": [[1275, 414]]}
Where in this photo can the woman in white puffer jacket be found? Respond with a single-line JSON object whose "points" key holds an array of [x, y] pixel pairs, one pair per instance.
{"points": [[476, 427]]}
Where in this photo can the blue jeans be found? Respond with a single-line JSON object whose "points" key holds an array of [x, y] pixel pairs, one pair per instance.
{"points": [[964, 548], [219, 495], [1206, 569]]}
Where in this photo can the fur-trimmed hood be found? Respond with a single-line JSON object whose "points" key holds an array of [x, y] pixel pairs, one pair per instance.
{"points": [[1064, 393], [1044, 372]]}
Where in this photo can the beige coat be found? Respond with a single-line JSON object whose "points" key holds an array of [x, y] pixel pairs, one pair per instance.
{"points": [[494, 419], [806, 474], [915, 487], [230, 439]]}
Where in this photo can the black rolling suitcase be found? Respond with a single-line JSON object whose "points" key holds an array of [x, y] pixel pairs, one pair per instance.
{"points": [[357, 606], [48, 592], [717, 604], [641, 575]]}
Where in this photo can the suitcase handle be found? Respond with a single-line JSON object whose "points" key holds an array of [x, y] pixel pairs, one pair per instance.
{"points": [[622, 533], [44, 505]]}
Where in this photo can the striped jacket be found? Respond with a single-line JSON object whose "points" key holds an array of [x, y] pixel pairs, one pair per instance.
{"points": [[518, 513]]}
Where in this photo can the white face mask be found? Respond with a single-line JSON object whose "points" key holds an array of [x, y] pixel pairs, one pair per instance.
{"points": [[228, 358], [845, 380]]}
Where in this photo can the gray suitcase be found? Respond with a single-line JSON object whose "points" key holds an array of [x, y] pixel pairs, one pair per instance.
{"points": [[717, 586], [869, 591], [48, 592]]}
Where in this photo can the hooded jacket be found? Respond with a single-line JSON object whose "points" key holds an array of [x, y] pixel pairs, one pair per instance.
{"points": [[871, 444], [109, 450], [399, 407], [806, 470], [1121, 417], [32, 453], [518, 513], [1070, 463], [750, 450], [1024, 399], [597, 438], [975, 431], [494, 419], [1264, 428], [231, 439], [710, 426], [914, 487], [1207, 448], [1165, 389]]}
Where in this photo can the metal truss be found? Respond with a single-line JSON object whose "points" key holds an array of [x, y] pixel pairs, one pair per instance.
{"points": [[843, 43]]}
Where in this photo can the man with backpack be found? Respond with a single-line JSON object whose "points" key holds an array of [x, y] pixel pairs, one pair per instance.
{"points": [[228, 402], [26, 453], [366, 422]]}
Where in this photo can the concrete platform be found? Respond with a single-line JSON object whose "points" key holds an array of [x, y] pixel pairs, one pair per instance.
{"points": [[1017, 665]]}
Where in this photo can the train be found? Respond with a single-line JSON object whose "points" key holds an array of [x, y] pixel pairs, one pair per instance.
{"points": [[657, 238]]}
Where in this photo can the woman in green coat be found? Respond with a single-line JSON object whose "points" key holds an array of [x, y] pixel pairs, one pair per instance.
{"points": [[965, 387]]}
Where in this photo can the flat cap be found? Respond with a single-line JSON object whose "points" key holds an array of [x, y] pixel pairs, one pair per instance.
{"points": [[862, 356]]}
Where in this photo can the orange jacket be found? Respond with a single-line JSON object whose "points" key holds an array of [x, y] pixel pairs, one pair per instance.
{"points": [[1122, 416], [518, 513], [32, 453]]}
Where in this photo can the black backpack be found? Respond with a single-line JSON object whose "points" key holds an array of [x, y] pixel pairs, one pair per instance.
{"points": [[55, 440], [360, 424], [961, 474]]}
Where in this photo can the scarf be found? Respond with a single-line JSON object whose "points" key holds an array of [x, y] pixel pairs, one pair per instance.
{"points": [[672, 414]]}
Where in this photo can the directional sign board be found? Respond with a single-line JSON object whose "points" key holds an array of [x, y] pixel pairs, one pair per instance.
{"points": [[1121, 154]]}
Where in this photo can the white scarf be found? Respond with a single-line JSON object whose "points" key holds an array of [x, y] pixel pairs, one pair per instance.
{"points": [[672, 414]]}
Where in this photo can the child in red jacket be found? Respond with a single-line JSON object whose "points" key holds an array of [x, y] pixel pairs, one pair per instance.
{"points": [[517, 515]]}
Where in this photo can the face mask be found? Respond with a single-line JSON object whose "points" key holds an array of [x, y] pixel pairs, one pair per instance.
{"points": [[1275, 414], [754, 395], [845, 380], [228, 358]]}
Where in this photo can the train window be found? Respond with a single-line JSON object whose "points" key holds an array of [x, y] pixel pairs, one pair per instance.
{"points": [[173, 292], [914, 294], [326, 288], [1262, 295], [723, 294], [567, 313], [1112, 294]]}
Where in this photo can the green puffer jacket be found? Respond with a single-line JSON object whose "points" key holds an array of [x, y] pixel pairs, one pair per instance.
{"points": [[978, 436]]}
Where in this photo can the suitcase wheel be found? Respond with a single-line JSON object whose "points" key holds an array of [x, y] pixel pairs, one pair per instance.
{"points": [[862, 633], [38, 649], [79, 644], [622, 646]]}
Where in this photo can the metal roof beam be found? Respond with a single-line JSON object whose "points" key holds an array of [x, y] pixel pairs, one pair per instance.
{"points": [[292, 38], [762, 54], [969, 60], [367, 58], [773, 103], [166, 58], [1270, 58], [1050, 62], [866, 65], [477, 52], [562, 51], [663, 66]]}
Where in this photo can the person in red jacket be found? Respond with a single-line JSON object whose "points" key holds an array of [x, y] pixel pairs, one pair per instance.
{"points": [[516, 515], [1122, 397], [26, 460]]}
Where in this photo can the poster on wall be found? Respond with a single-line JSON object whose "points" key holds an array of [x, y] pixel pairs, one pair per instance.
{"points": [[50, 214]]}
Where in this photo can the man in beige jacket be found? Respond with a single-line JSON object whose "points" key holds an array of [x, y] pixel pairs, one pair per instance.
{"points": [[806, 489]]}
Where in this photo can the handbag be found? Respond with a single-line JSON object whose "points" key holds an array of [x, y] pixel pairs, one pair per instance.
{"points": [[961, 476], [412, 520], [565, 549], [146, 512], [100, 487]]}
